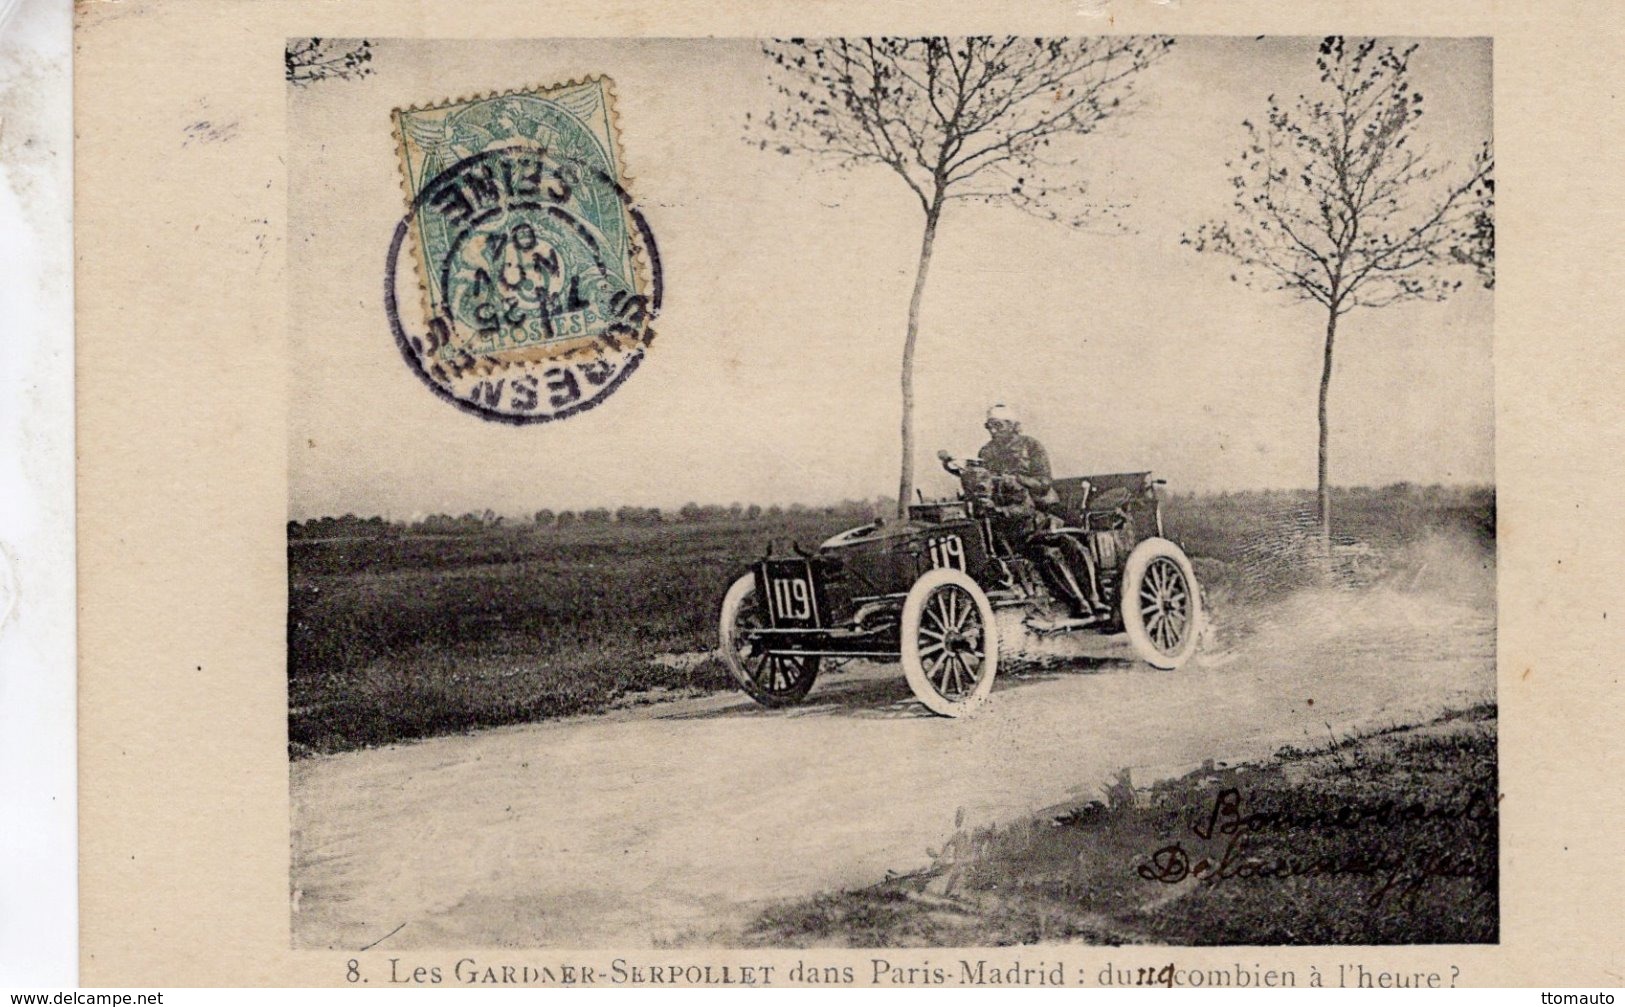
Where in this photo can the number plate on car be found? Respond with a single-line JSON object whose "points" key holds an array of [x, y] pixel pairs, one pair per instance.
{"points": [[791, 593]]}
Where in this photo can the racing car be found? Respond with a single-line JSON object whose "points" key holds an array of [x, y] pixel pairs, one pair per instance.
{"points": [[923, 591]]}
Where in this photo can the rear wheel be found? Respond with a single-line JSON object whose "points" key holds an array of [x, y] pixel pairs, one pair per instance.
{"points": [[950, 647], [1162, 608], [770, 679]]}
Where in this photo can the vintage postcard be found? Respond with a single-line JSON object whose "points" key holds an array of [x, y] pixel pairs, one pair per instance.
{"points": [[1018, 500]]}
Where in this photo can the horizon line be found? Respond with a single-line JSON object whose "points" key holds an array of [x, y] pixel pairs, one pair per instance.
{"points": [[883, 499]]}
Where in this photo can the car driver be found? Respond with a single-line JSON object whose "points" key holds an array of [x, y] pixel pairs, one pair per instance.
{"points": [[1016, 456], [1024, 497]]}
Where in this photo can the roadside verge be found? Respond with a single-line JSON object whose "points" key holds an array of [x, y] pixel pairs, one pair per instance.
{"points": [[1386, 838]]}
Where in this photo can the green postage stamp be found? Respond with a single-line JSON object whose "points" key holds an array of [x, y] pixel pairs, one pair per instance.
{"points": [[537, 276]]}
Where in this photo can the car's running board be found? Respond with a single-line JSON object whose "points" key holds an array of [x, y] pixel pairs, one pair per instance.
{"points": [[1047, 626]]}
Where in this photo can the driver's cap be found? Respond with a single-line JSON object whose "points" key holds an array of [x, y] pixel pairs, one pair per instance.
{"points": [[1000, 411]]}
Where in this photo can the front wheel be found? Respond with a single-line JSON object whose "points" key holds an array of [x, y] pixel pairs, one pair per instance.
{"points": [[1162, 608], [771, 679], [949, 643]]}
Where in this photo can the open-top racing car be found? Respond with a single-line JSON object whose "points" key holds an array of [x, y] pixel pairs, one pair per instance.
{"points": [[924, 591]]}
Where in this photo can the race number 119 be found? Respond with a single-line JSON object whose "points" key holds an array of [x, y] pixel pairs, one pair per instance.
{"points": [[948, 551], [791, 598]]}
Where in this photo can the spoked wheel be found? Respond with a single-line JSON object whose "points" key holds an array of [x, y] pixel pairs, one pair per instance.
{"points": [[1162, 608], [770, 679], [950, 645]]}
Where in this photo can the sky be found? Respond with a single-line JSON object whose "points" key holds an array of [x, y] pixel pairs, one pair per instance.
{"points": [[774, 375]]}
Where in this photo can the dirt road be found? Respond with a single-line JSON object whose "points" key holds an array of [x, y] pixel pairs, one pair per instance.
{"points": [[672, 822]]}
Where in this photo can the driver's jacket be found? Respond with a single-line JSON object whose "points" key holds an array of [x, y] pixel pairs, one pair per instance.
{"points": [[1023, 457], [1020, 508]]}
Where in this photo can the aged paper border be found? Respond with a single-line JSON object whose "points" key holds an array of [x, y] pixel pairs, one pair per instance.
{"points": [[38, 862], [182, 494]]}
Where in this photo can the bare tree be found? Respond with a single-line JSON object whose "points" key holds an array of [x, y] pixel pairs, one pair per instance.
{"points": [[308, 59], [955, 119], [1477, 246], [1336, 203]]}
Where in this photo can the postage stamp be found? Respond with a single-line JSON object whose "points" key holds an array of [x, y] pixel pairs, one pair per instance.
{"points": [[536, 277]]}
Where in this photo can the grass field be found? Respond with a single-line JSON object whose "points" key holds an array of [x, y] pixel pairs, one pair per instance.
{"points": [[394, 635]]}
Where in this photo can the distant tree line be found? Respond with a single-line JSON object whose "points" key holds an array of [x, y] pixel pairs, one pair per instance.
{"points": [[690, 513], [697, 513], [347, 526], [856, 511]]}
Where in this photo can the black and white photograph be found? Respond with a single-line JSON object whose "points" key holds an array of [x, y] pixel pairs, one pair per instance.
{"points": [[891, 492]]}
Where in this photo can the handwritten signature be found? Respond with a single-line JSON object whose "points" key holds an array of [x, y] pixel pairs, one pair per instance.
{"points": [[1250, 837]]}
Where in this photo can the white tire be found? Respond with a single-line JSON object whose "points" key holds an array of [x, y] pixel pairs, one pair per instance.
{"points": [[950, 644], [1161, 604]]}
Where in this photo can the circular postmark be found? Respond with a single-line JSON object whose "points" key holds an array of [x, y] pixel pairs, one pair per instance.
{"points": [[538, 280]]}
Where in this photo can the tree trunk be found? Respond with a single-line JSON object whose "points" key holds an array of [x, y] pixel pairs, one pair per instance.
{"points": [[1323, 493], [905, 482]]}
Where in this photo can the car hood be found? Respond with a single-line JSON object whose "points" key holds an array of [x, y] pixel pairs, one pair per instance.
{"points": [[871, 533]]}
